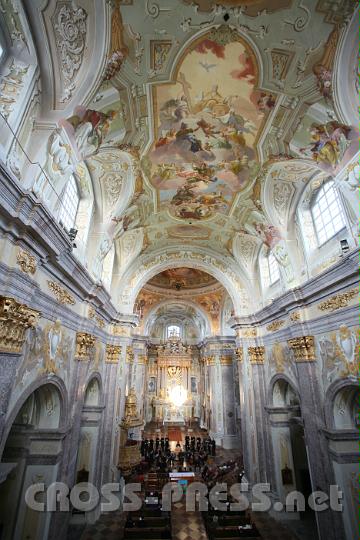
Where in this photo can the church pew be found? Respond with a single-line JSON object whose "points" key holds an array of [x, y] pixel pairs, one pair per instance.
{"points": [[233, 532], [150, 521], [147, 532]]}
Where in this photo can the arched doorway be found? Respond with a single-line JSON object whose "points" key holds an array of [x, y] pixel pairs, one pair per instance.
{"points": [[88, 466], [342, 411], [291, 463], [32, 455]]}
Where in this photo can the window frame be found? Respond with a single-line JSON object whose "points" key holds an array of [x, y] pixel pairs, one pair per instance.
{"points": [[64, 212], [266, 266], [173, 325], [321, 194]]}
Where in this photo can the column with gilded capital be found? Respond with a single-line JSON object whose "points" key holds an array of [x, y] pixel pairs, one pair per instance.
{"points": [[330, 525], [15, 319]]}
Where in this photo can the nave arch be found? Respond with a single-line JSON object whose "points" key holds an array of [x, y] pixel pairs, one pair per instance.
{"points": [[223, 269]]}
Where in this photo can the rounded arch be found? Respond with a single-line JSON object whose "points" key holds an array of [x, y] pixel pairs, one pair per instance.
{"points": [[93, 393], [59, 387], [202, 314], [282, 392], [221, 268], [342, 404]]}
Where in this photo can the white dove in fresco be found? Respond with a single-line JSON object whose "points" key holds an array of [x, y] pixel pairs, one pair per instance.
{"points": [[207, 66]]}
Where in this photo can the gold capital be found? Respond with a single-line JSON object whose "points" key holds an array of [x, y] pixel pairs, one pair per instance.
{"points": [[256, 354], [129, 354], [239, 353], [112, 354], [15, 319], [303, 348], [84, 343]]}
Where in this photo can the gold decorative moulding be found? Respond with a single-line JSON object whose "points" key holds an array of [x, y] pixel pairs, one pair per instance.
{"points": [[239, 353], [61, 294], [275, 325], [338, 301], [210, 361], [26, 262], [226, 360], [84, 344], [303, 348], [112, 354], [256, 354], [249, 333], [15, 319], [295, 316]]}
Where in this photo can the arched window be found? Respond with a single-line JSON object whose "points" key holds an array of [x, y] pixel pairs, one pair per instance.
{"points": [[69, 204], [173, 331], [327, 213], [270, 272]]}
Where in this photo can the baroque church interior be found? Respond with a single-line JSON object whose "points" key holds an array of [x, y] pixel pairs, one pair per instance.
{"points": [[178, 232]]}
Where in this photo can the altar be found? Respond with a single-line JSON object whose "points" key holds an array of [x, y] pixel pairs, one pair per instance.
{"points": [[172, 391], [174, 416]]}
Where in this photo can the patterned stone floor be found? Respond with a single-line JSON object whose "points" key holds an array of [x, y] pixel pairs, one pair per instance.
{"points": [[187, 525]]}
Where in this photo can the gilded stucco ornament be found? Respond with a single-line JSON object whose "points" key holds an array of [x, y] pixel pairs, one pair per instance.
{"points": [[84, 345], [112, 354], [61, 294], [257, 354], [275, 325], [338, 301], [239, 354], [303, 348], [26, 261], [129, 355], [15, 319]]}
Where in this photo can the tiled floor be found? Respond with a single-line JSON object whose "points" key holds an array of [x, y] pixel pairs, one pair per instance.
{"points": [[187, 525]]}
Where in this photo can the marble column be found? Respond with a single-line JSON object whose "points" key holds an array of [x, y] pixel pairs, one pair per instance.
{"points": [[229, 436], [330, 524]]}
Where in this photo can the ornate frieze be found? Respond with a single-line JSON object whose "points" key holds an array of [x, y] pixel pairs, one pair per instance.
{"points": [[15, 319], [69, 22], [26, 262], [84, 343], [112, 354], [275, 325], [338, 301], [256, 354], [303, 348], [61, 294], [239, 353]]}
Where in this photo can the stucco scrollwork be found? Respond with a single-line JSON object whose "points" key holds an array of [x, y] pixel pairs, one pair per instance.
{"points": [[69, 22]]}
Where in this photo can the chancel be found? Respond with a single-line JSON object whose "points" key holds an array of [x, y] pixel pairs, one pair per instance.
{"points": [[179, 269]]}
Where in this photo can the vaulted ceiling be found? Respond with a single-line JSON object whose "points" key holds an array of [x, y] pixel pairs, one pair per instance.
{"points": [[193, 127]]}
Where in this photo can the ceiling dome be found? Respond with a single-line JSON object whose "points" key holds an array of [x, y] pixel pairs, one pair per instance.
{"points": [[182, 278]]}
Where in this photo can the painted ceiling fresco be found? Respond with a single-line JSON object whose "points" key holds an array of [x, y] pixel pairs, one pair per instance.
{"points": [[206, 126], [182, 278]]}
